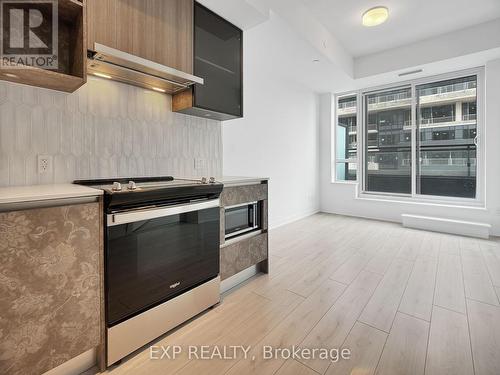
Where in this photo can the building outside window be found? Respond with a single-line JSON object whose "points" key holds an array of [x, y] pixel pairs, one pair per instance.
{"points": [[346, 160], [418, 139], [437, 114]]}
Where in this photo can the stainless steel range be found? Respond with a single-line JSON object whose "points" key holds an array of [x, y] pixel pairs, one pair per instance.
{"points": [[161, 256]]}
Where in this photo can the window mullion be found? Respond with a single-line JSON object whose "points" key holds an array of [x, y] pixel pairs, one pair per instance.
{"points": [[414, 151], [361, 142]]}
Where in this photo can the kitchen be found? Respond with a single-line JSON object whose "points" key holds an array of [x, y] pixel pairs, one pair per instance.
{"points": [[185, 188], [123, 119]]}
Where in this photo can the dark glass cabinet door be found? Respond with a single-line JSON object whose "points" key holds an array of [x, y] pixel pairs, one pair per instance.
{"points": [[218, 59]]}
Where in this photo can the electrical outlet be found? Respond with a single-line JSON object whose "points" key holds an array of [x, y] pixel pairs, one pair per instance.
{"points": [[199, 164], [44, 164]]}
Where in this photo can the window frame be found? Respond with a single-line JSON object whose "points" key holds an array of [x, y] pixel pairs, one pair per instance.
{"points": [[478, 201]]}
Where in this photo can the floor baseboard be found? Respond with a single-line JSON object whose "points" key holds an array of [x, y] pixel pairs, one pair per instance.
{"points": [[77, 365], [295, 218]]}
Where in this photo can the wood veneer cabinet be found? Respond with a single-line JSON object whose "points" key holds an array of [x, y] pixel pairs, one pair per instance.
{"points": [[72, 69], [156, 30], [50, 286]]}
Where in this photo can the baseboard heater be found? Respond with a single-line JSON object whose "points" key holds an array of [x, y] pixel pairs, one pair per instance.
{"points": [[436, 224]]}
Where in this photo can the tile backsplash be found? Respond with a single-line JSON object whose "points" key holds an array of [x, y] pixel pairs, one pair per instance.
{"points": [[104, 129]]}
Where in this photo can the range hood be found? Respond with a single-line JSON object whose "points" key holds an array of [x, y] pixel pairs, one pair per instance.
{"points": [[120, 66]]}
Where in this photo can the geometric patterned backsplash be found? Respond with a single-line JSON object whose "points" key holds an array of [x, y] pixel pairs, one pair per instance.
{"points": [[104, 129]]}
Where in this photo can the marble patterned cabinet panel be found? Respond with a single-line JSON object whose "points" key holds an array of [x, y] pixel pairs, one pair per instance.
{"points": [[49, 286], [233, 195], [242, 254]]}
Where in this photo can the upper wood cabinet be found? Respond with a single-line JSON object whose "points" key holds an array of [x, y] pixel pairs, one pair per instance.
{"points": [[71, 72], [156, 30]]}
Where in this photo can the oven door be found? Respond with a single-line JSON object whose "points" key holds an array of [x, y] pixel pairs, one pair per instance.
{"points": [[154, 255]]}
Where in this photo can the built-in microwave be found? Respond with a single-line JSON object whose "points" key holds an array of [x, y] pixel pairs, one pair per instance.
{"points": [[241, 219]]}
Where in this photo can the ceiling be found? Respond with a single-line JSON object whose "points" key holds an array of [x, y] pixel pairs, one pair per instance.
{"points": [[409, 21]]}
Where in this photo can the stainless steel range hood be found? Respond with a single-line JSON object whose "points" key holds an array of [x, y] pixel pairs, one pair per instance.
{"points": [[124, 67]]}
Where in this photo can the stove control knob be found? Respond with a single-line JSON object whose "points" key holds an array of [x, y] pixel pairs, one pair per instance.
{"points": [[117, 186], [204, 180], [132, 185], [212, 180]]}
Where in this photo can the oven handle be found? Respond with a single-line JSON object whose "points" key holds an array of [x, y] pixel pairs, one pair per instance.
{"points": [[154, 213]]}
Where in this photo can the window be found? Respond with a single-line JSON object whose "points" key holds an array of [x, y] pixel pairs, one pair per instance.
{"points": [[437, 114], [469, 111], [388, 146], [419, 139], [446, 163], [346, 145]]}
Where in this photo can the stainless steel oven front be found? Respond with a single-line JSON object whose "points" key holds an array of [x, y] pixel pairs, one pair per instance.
{"points": [[155, 254]]}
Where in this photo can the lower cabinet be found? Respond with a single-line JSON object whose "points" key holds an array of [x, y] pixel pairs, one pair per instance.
{"points": [[240, 255], [247, 249], [234, 195], [50, 290]]}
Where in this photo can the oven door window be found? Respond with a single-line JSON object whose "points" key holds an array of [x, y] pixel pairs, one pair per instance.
{"points": [[151, 261]]}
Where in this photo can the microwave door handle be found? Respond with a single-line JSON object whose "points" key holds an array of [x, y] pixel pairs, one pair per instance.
{"points": [[254, 209], [251, 216]]}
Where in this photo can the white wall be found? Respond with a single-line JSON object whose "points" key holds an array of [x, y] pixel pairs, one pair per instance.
{"points": [[341, 198], [278, 137]]}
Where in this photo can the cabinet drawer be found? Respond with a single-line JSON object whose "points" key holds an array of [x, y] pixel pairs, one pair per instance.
{"points": [[242, 194], [242, 254]]}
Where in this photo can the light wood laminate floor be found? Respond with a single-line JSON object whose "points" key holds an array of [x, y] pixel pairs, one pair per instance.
{"points": [[402, 301]]}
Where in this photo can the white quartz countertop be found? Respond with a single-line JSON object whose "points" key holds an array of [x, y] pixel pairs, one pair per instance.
{"points": [[36, 193], [19, 194], [240, 180]]}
